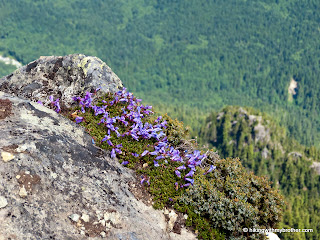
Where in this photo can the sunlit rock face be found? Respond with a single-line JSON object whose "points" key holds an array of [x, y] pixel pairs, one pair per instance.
{"points": [[54, 183], [61, 77]]}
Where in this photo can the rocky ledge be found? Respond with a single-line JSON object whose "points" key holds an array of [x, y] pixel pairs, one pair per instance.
{"points": [[54, 183], [61, 77]]}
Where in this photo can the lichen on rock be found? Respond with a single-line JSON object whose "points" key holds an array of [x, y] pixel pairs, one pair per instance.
{"points": [[61, 77]]}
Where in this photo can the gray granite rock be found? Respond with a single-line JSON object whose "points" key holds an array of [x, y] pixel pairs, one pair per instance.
{"points": [[72, 189], [316, 167], [61, 77], [54, 183]]}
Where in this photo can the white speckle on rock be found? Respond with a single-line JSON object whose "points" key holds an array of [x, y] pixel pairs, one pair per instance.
{"points": [[103, 234], [23, 192], [85, 217], [74, 217], [3, 202], [172, 219], [53, 175], [102, 222], [108, 226], [21, 148], [99, 215], [18, 177], [6, 156], [27, 146], [27, 172], [113, 217]]}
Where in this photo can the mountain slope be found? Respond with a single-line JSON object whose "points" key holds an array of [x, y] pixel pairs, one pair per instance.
{"points": [[264, 147], [191, 54], [167, 163]]}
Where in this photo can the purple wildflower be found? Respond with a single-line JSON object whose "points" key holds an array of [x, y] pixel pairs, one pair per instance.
{"points": [[75, 98], [79, 119], [183, 167], [190, 180], [144, 153], [158, 119], [118, 150], [190, 174], [109, 142], [178, 173], [113, 153], [106, 137], [154, 153], [55, 103], [210, 169], [144, 179]]}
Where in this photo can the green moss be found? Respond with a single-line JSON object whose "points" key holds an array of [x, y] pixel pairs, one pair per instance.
{"points": [[231, 199], [246, 200], [175, 131]]}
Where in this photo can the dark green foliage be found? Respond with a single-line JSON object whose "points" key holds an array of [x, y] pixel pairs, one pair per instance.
{"points": [[201, 224], [175, 130], [284, 160], [233, 199], [189, 56]]}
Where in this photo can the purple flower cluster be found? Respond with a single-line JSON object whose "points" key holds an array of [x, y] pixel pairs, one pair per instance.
{"points": [[55, 103], [84, 102], [132, 119]]}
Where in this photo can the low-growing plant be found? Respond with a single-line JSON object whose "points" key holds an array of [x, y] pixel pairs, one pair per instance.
{"points": [[218, 196], [233, 199]]}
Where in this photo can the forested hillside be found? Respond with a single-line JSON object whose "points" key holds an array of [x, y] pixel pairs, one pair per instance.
{"points": [[264, 147], [186, 56]]}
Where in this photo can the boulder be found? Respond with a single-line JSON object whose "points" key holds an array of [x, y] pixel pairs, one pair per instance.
{"points": [[54, 183], [61, 77], [316, 167]]}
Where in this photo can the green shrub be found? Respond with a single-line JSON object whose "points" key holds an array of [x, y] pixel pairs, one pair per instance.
{"points": [[232, 199], [175, 131]]}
